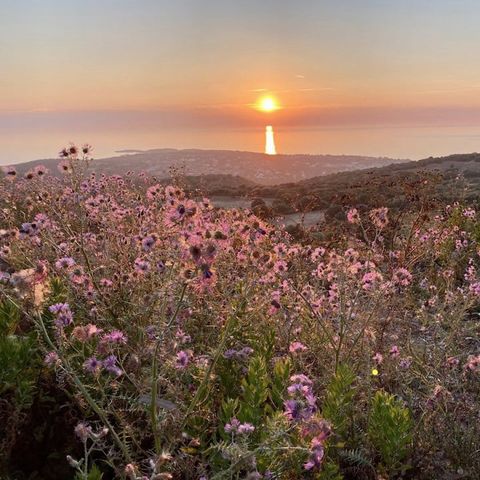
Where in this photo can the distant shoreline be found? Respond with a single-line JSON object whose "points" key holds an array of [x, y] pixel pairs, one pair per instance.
{"points": [[132, 150]]}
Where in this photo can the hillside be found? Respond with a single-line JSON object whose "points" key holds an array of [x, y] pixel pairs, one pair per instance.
{"points": [[397, 186], [254, 167]]}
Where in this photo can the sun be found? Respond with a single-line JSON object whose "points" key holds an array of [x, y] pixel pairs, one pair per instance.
{"points": [[267, 104]]}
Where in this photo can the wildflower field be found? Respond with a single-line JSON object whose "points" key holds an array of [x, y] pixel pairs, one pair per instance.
{"points": [[145, 334]]}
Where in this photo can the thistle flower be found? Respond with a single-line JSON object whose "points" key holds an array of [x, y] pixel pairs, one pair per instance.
{"points": [[234, 426], [371, 280], [297, 347], [115, 337], [51, 359], [110, 365], [64, 166], [379, 217], [72, 150], [394, 351], [141, 266], [378, 358], [40, 170], [353, 216], [64, 263], [317, 452], [77, 275], [245, 428], [63, 314], [402, 277], [183, 359], [87, 149], [83, 431], [148, 243], [10, 173], [280, 267], [154, 192], [92, 365]]}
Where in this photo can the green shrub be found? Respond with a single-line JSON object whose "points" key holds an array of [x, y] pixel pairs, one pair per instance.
{"points": [[337, 406], [390, 430]]}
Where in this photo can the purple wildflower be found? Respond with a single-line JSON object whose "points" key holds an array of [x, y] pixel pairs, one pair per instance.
{"points": [[115, 337], [293, 410], [316, 455], [182, 360], [110, 365], [64, 263], [141, 266], [92, 365], [148, 243], [245, 428], [63, 314], [51, 359], [235, 426]]}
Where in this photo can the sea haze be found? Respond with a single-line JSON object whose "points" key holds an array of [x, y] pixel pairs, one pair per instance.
{"points": [[33, 140]]}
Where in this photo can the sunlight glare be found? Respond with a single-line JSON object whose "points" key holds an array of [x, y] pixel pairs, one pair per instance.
{"points": [[269, 141], [267, 104]]}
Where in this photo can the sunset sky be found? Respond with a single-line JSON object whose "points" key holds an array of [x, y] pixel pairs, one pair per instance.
{"points": [[190, 71]]}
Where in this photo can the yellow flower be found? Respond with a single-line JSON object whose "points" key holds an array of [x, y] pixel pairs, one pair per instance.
{"points": [[374, 372]]}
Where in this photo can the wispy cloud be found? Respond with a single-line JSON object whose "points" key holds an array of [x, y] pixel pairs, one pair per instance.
{"points": [[315, 89]]}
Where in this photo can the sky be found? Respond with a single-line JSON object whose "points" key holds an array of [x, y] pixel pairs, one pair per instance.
{"points": [[378, 77]]}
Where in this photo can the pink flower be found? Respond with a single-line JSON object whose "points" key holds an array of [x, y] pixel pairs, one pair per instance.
{"points": [[76, 275], [105, 282], [371, 280], [378, 358], [64, 263], [83, 431], [297, 347], [379, 217], [394, 351], [115, 337], [64, 166], [148, 243], [40, 170], [402, 277], [183, 359], [317, 453], [51, 359], [87, 149], [452, 361], [235, 426], [141, 266], [154, 192], [473, 363], [10, 173], [353, 216], [280, 266], [475, 289], [85, 332]]}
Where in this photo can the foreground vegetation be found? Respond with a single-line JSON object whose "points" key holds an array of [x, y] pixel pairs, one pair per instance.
{"points": [[145, 335]]}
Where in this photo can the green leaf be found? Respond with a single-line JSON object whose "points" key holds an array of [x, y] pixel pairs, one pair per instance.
{"points": [[390, 430], [338, 404]]}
